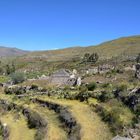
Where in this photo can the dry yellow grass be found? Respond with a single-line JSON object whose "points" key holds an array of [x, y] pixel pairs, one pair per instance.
{"points": [[92, 128], [18, 128], [54, 129], [122, 46]]}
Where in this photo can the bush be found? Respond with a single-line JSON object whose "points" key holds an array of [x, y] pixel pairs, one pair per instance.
{"points": [[83, 96], [15, 90], [34, 87], [116, 115], [122, 87], [92, 86], [17, 78], [138, 58], [93, 102], [4, 79], [138, 110], [107, 85], [105, 96]]}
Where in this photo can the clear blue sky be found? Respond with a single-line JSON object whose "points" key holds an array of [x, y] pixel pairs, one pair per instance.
{"points": [[50, 24]]}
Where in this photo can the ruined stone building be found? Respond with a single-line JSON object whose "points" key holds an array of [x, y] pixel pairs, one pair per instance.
{"points": [[64, 77]]}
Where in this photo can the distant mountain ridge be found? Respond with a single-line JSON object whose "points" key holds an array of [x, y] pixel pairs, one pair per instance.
{"points": [[125, 46], [8, 52]]}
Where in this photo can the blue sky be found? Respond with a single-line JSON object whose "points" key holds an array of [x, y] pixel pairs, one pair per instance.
{"points": [[51, 24]]}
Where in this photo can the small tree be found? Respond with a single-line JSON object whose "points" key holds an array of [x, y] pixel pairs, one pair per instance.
{"points": [[93, 57], [138, 58], [13, 68], [92, 86], [7, 69], [1, 70], [86, 57], [17, 78], [10, 68]]}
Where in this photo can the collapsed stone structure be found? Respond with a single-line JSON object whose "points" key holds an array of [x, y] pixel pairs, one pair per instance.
{"points": [[65, 77], [105, 68], [100, 69]]}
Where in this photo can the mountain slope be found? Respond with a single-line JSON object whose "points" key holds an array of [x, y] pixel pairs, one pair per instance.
{"points": [[6, 52], [127, 46]]}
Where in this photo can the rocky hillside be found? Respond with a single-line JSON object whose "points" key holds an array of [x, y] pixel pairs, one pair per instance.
{"points": [[6, 52]]}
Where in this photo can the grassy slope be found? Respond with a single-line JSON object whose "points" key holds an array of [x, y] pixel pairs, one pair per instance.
{"points": [[7, 52], [121, 46], [48, 61], [18, 128], [91, 124], [55, 131]]}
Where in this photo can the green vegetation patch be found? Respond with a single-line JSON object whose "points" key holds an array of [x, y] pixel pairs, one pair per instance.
{"points": [[4, 79]]}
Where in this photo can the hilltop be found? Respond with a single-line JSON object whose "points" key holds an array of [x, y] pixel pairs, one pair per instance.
{"points": [[125, 46], [7, 52]]}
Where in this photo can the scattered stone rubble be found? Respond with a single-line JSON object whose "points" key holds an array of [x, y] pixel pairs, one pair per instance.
{"points": [[100, 69]]}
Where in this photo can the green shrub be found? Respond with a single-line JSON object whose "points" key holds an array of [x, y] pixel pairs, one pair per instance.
{"points": [[83, 96], [116, 115], [93, 102], [92, 86], [138, 110], [17, 78], [122, 87], [138, 58], [4, 79], [107, 85], [34, 87], [83, 89], [105, 96]]}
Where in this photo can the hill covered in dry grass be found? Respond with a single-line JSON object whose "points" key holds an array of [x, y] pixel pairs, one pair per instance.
{"points": [[7, 52], [126, 46]]}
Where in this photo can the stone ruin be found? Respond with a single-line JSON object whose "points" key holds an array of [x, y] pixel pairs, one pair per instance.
{"points": [[65, 77], [105, 68], [100, 69]]}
